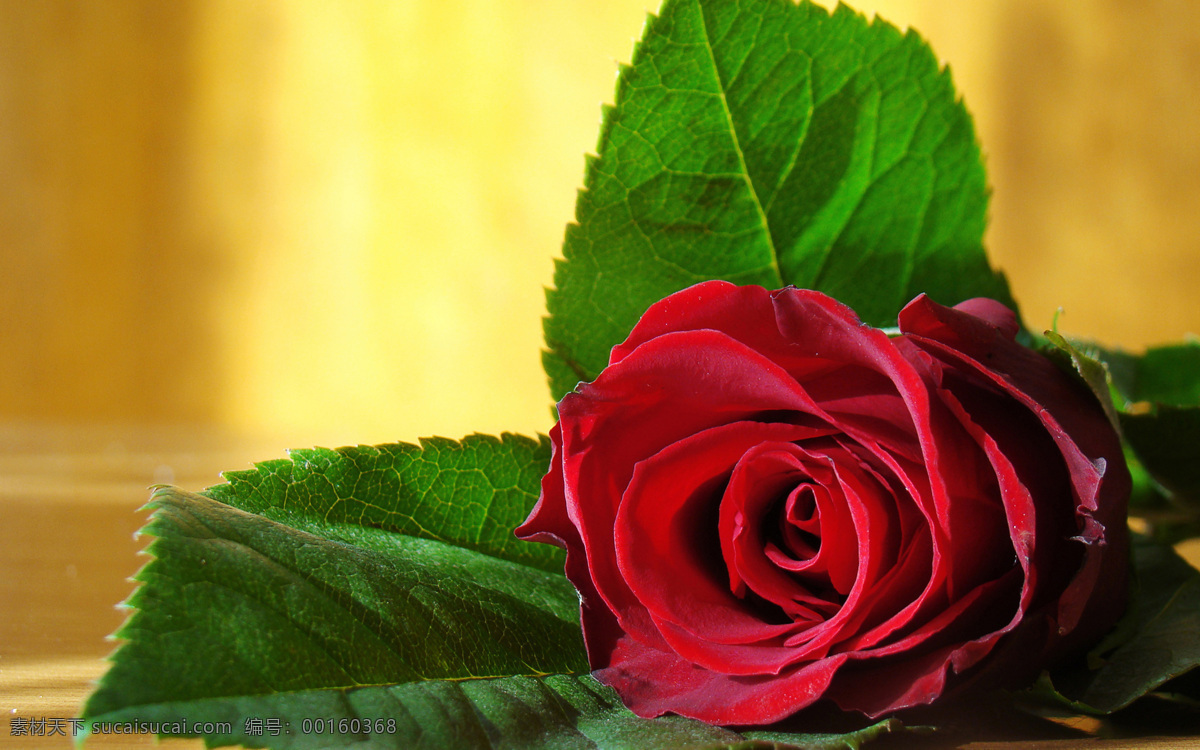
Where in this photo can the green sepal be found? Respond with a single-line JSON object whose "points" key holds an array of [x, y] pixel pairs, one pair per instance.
{"points": [[1083, 361]]}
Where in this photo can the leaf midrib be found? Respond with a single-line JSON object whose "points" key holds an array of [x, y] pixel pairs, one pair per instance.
{"points": [[737, 146]]}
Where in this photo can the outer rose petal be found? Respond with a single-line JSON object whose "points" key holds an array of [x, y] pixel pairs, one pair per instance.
{"points": [[1072, 417], [652, 683], [549, 522], [963, 461]]}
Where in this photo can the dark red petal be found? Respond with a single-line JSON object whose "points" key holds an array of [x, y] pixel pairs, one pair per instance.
{"points": [[899, 598], [877, 688], [549, 522], [1022, 454], [712, 305], [652, 683], [818, 340], [907, 673], [669, 554], [764, 475], [983, 614], [994, 313], [1086, 441]]}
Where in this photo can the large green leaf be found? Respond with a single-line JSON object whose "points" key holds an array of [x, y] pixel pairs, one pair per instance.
{"points": [[1164, 374], [471, 493], [551, 711], [339, 569], [234, 604], [767, 143]]}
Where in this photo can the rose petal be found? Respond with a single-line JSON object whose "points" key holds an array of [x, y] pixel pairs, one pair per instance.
{"points": [[549, 522], [905, 674], [765, 473], [668, 552], [1088, 444], [634, 410], [652, 683]]}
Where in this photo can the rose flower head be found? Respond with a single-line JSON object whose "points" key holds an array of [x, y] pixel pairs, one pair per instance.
{"points": [[766, 503]]}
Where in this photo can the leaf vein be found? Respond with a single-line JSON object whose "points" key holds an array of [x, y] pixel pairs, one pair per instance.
{"points": [[737, 146]]}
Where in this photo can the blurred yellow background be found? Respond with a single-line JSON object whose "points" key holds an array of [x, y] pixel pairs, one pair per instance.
{"points": [[331, 222]]}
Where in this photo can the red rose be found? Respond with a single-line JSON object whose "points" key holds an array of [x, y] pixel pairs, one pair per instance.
{"points": [[766, 502]]}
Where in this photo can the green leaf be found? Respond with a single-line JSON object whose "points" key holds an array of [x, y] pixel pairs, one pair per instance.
{"points": [[1161, 414], [470, 494], [828, 741], [767, 143], [551, 711], [1167, 440], [235, 604], [1168, 518], [1163, 375], [360, 566], [1155, 641]]}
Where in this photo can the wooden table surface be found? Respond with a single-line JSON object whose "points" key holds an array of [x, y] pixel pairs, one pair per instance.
{"points": [[69, 511]]}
